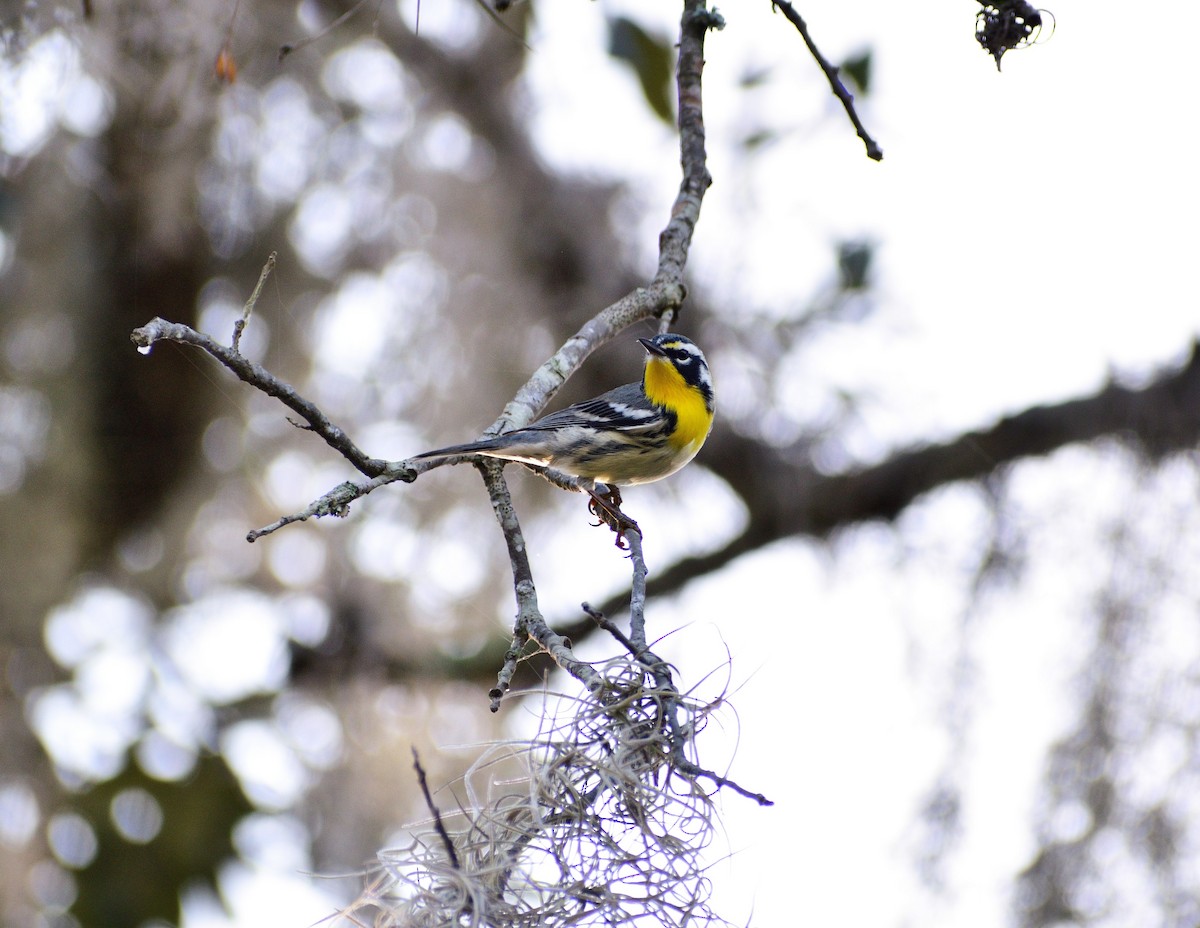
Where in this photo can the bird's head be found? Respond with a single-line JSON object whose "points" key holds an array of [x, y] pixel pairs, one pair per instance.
{"points": [[675, 363]]}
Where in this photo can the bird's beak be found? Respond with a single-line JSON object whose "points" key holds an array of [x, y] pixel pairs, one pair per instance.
{"points": [[651, 347]]}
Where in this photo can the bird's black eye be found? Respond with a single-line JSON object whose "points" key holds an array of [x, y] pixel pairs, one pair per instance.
{"points": [[680, 355]]}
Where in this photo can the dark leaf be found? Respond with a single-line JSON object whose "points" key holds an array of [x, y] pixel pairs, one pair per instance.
{"points": [[754, 78], [132, 883], [854, 264], [858, 69], [759, 139], [651, 59]]}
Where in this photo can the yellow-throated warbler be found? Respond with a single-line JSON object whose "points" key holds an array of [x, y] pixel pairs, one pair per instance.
{"points": [[637, 433]]}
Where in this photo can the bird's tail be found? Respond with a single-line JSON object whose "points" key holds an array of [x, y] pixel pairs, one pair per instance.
{"points": [[471, 447], [511, 446]]}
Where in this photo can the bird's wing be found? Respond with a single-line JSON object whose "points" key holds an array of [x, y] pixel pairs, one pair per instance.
{"points": [[625, 409]]}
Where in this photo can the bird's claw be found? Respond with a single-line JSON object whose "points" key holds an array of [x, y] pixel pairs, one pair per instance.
{"points": [[605, 505]]}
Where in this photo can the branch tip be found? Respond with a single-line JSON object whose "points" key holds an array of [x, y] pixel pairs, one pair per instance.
{"points": [[438, 824], [874, 152], [240, 325]]}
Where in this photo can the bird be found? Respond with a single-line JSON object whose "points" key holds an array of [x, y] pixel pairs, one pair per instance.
{"points": [[634, 434]]}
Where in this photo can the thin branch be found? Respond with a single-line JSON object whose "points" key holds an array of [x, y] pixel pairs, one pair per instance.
{"points": [[874, 152], [240, 325], [508, 668], [285, 50], [675, 240], [257, 376], [337, 501], [438, 824], [529, 621], [608, 625], [637, 598], [643, 303], [693, 770]]}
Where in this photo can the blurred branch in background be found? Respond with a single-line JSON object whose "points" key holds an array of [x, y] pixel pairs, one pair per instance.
{"points": [[1157, 419]]}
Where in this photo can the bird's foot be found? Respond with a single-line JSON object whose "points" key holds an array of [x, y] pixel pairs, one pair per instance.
{"points": [[605, 505]]}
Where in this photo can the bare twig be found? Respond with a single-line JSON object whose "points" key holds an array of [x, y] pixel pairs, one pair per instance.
{"points": [[285, 50], [532, 397], [258, 376], [508, 669], [874, 152], [611, 627], [676, 238], [240, 325], [337, 501], [637, 599], [529, 622], [693, 770], [438, 824]]}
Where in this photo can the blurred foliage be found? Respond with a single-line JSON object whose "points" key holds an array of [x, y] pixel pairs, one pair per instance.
{"points": [[858, 69], [854, 264], [652, 61], [193, 838]]}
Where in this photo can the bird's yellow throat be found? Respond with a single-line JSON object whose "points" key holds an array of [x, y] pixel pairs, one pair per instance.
{"points": [[665, 386]]}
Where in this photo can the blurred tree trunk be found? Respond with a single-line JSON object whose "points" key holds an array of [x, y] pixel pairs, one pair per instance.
{"points": [[107, 234]]}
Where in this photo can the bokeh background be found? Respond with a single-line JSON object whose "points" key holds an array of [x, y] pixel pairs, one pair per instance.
{"points": [[962, 651]]}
